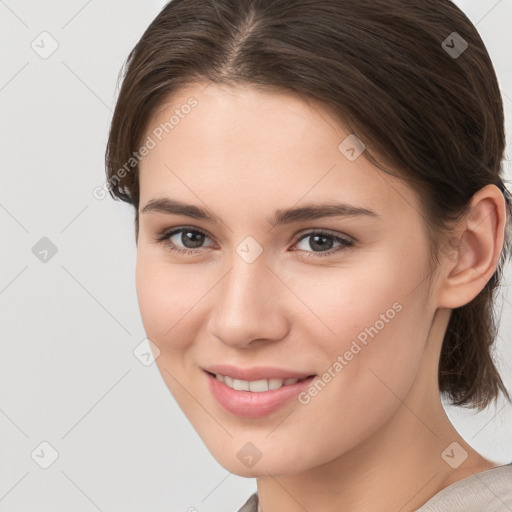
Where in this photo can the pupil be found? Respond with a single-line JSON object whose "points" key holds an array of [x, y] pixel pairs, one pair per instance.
{"points": [[195, 239], [320, 246]]}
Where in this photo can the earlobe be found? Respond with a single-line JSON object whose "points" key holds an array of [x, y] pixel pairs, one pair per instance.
{"points": [[476, 249]]}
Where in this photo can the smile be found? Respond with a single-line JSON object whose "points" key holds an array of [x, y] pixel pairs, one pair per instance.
{"points": [[255, 398]]}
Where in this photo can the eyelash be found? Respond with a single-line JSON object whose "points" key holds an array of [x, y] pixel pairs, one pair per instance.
{"points": [[164, 237]]}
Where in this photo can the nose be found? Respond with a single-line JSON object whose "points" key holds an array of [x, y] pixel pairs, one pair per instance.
{"points": [[250, 305]]}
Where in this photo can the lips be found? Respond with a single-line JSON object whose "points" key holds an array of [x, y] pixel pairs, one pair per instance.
{"points": [[254, 405], [260, 402]]}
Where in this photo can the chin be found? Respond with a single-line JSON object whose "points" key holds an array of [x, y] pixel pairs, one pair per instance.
{"points": [[252, 460]]}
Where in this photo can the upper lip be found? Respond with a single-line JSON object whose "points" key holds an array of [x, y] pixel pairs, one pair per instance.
{"points": [[256, 372]]}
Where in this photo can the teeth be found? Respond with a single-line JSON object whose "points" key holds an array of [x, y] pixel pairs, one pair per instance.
{"points": [[255, 385], [258, 385], [275, 383], [241, 385]]}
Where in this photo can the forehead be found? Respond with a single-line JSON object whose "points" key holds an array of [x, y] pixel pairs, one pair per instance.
{"points": [[254, 150], [275, 122]]}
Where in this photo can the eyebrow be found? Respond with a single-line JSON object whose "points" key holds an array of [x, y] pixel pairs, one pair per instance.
{"points": [[283, 216]]}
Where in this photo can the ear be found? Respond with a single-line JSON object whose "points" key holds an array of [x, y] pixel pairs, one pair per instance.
{"points": [[477, 245]]}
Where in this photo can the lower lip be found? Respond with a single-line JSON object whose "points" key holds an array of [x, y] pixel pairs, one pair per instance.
{"points": [[254, 404]]}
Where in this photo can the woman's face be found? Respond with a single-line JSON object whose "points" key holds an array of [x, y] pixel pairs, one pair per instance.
{"points": [[343, 298]]}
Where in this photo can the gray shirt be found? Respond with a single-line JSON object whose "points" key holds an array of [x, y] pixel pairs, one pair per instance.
{"points": [[489, 490]]}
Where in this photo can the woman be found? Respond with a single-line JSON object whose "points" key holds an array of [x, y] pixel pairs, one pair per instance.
{"points": [[321, 226]]}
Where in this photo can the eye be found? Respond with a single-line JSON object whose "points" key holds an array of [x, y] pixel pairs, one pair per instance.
{"points": [[192, 240], [322, 243]]}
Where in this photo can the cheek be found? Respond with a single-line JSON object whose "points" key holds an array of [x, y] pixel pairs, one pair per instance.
{"points": [[358, 301], [166, 298], [373, 329], [165, 295]]}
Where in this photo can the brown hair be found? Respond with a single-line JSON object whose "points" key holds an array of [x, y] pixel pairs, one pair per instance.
{"points": [[425, 100]]}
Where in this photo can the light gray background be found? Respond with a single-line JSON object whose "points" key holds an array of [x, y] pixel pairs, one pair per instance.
{"points": [[68, 375]]}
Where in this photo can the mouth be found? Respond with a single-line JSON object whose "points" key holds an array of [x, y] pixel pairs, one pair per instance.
{"points": [[255, 398]]}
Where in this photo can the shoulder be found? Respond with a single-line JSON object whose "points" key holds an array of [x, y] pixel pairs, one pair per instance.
{"points": [[251, 505], [489, 490]]}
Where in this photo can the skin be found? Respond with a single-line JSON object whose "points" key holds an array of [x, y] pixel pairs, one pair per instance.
{"points": [[372, 439]]}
